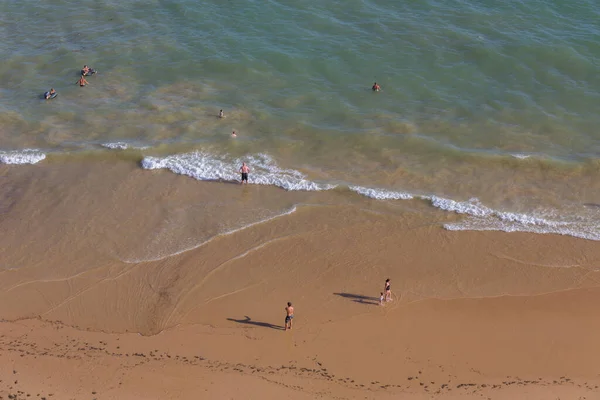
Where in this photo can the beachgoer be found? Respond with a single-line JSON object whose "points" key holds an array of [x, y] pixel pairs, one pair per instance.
{"points": [[388, 290], [82, 82], [381, 298], [376, 87], [85, 70], [244, 170], [233, 134], [49, 94], [289, 315], [221, 114]]}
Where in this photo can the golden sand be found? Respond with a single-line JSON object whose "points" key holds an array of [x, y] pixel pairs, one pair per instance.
{"points": [[113, 286]]}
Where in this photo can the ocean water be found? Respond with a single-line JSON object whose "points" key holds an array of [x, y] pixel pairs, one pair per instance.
{"points": [[487, 109]]}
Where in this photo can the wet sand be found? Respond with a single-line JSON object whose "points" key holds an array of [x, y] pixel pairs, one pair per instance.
{"points": [[475, 314]]}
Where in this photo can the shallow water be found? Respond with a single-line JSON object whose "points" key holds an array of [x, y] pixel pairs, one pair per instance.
{"points": [[490, 107]]}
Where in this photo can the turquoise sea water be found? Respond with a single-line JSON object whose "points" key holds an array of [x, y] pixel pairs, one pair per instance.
{"points": [[487, 108]]}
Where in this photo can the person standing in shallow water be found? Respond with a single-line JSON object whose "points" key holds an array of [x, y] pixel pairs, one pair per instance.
{"points": [[376, 87], [82, 82], [388, 290], [289, 316], [244, 170]]}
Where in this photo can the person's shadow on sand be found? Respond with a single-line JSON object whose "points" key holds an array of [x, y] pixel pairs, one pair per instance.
{"points": [[359, 298], [248, 320]]}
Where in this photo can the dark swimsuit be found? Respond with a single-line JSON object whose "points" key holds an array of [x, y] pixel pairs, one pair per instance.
{"points": [[245, 176]]}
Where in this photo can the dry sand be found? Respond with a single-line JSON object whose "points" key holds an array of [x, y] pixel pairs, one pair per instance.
{"points": [[475, 314]]}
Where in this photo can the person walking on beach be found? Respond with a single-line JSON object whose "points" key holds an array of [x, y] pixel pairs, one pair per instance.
{"points": [[244, 171], [388, 290], [289, 316]]}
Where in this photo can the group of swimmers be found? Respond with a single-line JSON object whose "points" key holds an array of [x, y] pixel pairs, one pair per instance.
{"points": [[85, 71]]}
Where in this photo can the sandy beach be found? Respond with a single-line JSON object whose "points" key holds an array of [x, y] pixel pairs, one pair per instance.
{"points": [[101, 298]]}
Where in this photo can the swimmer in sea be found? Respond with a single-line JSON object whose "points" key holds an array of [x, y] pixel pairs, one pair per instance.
{"points": [[376, 87], [289, 315], [49, 94], [221, 114], [233, 134], [82, 82], [85, 70]]}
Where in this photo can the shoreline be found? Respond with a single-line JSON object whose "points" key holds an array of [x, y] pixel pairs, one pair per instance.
{"points": [[520, 211]]}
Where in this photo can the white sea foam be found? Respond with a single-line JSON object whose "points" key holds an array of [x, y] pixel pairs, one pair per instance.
{"points": [[381, 194], [481, 217], [588, 231], [203, 166], [27, 156], [122, 146], [208, 167], [116, 145], [521, 156], [473, 207]]}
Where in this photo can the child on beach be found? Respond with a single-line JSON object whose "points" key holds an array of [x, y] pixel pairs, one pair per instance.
{"points": [[381, 298]]}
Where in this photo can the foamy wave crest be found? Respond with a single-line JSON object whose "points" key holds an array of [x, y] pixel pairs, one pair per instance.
{"points": [[578, 230], [27, 156], [483, 218], [521, 156], [208, 167], [122, 146], [474, 208], [116, 145], [381, 194]]}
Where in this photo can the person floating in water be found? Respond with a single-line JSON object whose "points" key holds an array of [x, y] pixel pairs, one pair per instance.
{"points": [[221, 114], [86, 71], [244, 171], [233, 134], [49, 94], [289, 315], [376, 87], [82, 82]]}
